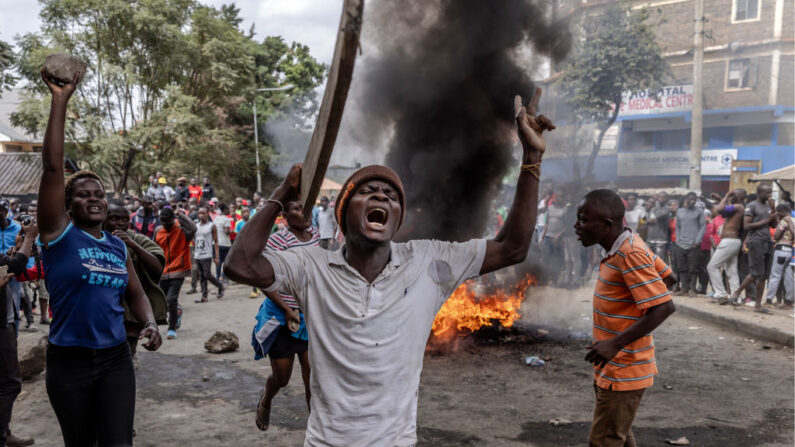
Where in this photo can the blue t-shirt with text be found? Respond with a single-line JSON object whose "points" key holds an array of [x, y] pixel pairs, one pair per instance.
{"points": [[86, 278]]}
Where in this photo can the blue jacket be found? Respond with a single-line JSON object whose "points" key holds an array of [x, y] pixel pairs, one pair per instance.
{"points": [[8, 234]]}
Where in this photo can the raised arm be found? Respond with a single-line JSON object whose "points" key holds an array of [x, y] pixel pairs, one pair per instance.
{"points": [[511, 244], [187, 225], [245, 263], [52, 212], [718, 209]]}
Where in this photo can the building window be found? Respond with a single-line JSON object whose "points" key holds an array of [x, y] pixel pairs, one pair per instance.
{"points": [[745, 10], [13, 148], [638, 141], [740, 74], [753, 135]]}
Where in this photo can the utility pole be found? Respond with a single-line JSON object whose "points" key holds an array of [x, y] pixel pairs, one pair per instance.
{"points": [[256, 130], [698, 100], [256, 148]]}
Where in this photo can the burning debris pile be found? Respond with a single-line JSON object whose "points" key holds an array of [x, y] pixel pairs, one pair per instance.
{"points": [[467, 311]]}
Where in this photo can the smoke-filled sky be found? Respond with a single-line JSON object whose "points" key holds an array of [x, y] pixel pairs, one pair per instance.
{"points": [[435, 88]]}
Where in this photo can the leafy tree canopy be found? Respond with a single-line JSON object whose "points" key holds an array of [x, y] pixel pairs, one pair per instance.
{"points": [[170, 82], [617, 52]]}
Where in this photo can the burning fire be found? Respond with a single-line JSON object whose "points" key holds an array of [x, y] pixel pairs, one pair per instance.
{"points": [[466, 311]]}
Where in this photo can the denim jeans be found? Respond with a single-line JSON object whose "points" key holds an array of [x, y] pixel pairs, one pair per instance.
{"points": [[171, 288]]}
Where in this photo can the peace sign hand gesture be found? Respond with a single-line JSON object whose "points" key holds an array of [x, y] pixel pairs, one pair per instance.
{"points": [[530, 127]]}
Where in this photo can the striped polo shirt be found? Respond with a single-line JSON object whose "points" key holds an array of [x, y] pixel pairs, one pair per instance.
{"points": [[284, 239], [630, 281]]}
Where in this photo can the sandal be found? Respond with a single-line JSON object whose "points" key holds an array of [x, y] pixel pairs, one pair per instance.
{"points": [[263, 414]]}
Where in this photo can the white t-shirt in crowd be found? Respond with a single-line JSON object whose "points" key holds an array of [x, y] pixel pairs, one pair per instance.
{"points": [[326, 223], [367, 340], [203, 241], [223, 226]]}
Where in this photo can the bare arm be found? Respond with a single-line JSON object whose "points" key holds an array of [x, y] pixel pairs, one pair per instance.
{"points": [[749, 225], [217, 256], [51, 212], [717, 209], [603, 351], [187, 225], [141, 309], [245, 263], [512, 242]]}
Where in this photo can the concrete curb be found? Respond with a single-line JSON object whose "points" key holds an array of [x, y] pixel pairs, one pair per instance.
{"points": [[751, 329]]}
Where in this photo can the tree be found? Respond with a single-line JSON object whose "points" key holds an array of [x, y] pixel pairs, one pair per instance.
{"points": [[617, 53], [166, 85], [7, 61]]}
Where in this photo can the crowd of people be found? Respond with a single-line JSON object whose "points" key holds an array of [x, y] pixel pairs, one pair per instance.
{"points": [[737, 249], [114, 269]]}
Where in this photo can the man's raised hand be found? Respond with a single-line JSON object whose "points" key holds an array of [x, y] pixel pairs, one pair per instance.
{"points": [[290, 189], [530, 127]]}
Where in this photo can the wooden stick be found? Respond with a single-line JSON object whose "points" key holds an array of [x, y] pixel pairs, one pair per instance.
{"points": [[330, 116]]}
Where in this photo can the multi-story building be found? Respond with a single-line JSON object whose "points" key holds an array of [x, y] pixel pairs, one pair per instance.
{"points": [[748, 92]]}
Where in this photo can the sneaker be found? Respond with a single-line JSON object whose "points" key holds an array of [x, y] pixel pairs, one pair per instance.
{"points": [[191, 292], [253, 295], [179, 316], [202, 300], [172, 334], [221, 292]]}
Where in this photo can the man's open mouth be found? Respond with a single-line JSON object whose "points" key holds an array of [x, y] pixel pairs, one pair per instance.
{"points": [[377, 217], [94, 209]]}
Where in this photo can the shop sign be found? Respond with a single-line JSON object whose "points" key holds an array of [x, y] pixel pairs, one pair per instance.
{"points": [[668, 99], [654, 163]]}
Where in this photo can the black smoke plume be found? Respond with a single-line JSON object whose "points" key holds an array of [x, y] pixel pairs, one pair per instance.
{"points": [[441, 83]]}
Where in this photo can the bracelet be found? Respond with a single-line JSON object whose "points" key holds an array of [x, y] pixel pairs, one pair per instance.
{"points": [[151, 324], [533, 168], [281, 207]]}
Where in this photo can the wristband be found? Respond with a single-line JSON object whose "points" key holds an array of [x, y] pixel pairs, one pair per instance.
{"points": [[533, 168]]}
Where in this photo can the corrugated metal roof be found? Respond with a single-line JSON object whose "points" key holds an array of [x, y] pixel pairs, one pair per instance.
{"points": [[20, 173]]}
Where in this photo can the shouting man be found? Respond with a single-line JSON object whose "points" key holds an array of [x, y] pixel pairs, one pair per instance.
{"points": [[370, 305]]}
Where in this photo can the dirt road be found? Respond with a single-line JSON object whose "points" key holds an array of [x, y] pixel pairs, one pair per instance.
{"points": [[725, 390]]}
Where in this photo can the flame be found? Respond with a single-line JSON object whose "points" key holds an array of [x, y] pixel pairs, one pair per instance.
{"points": [[466, 311]]}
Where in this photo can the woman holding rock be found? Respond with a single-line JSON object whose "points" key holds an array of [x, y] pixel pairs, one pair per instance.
{"points": [[90, 378]]}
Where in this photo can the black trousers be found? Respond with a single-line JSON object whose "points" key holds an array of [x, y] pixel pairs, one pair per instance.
{"points": [[222, 252], [206, 275], [171, 288], [10, 382], [687, 260], [92, 392]]}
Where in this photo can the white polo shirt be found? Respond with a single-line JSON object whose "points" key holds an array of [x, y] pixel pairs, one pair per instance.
{"points": [[367, 341]]}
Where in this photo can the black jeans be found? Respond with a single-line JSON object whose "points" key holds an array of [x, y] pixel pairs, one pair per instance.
{"points": [[92, 392], [222, 252], [206, 275], [171, 288], [687, 260], [10, 382]]}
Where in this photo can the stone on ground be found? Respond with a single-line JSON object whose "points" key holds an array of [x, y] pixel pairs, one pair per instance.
{"points": [[222, 341]]}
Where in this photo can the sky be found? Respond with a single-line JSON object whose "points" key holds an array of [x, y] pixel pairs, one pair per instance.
{"points": [[310, 22]]}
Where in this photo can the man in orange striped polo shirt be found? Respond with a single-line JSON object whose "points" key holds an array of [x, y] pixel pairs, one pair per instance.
{"points": [[630, 300]]}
